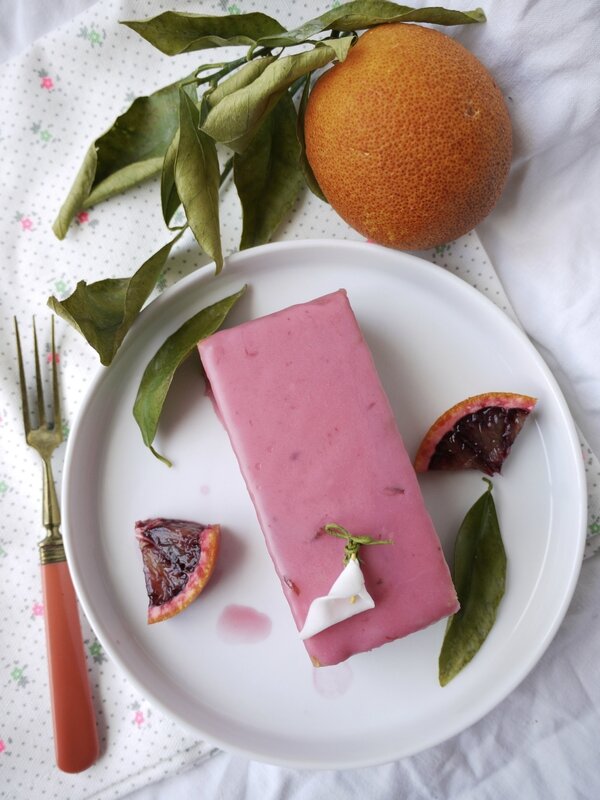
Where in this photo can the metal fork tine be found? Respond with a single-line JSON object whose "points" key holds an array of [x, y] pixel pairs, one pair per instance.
{"points": [[22, 384], [38, 380], [55, 391]]}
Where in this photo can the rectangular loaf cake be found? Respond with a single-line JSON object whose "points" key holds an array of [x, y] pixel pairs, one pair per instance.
{"points": [[317, 443]]}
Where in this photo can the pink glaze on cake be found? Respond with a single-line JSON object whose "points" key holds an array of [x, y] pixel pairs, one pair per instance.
{"points": [[317, 442]]}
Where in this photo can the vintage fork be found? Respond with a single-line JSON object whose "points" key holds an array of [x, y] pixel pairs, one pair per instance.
{"points": [[75, 735]]}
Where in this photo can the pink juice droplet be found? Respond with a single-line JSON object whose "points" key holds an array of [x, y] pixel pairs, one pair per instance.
{"points": [[332, 681], [243, 625]]}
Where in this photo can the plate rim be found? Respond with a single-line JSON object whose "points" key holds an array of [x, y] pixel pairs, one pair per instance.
{"points": [[207, 272]]}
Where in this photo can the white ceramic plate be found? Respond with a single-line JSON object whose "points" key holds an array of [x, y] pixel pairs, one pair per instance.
{"points": [[435, 341]]}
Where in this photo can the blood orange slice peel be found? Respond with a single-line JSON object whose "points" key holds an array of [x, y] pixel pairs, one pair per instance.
{"points": [[178, 558], [476, 433]]}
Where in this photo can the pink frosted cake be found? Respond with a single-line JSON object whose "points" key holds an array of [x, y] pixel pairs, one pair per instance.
{"points": [[317, 443]]}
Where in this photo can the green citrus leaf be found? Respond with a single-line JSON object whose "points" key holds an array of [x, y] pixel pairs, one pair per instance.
{"points": [[267, 175], [78, 193], [362, 14], [309, 176], [169, 196], [241, 78], [197, 179], [131, 151], [174, 32], [159, 373], [235, 120], [479, 575], [341, 46], [104, 311]]}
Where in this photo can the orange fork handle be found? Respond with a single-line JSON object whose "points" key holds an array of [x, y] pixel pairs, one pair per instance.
{"points": [[75, 735]]}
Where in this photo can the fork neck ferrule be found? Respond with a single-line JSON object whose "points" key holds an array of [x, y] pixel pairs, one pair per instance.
{"points": [[52, 549]]}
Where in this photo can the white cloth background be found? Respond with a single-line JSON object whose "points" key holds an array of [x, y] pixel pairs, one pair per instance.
{"points": [[544, 240]]}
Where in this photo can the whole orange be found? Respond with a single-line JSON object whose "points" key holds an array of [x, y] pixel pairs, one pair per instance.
{"points": [[409, 138]]}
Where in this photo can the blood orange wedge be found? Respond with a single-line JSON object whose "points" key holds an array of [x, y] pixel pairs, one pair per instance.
{"points": [[179, 558], [476, 433]]}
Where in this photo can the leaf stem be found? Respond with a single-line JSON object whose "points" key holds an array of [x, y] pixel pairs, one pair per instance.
{"points": [[298, 84], [229, 66], [227, 166]]}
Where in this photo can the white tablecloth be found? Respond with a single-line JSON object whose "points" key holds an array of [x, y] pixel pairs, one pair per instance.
{"points": [[543, 240]]}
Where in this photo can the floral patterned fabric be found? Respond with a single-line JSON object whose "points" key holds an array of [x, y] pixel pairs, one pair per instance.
{"points": [[56, 98]]}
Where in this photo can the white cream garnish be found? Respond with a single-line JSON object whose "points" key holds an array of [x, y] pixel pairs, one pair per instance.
{"points": [[347, 597]]}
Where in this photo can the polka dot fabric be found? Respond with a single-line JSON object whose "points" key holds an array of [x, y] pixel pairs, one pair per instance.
{"points": [[56, 99]]}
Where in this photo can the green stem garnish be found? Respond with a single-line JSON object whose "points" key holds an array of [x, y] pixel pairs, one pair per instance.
{"points": [[353, 543]]}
